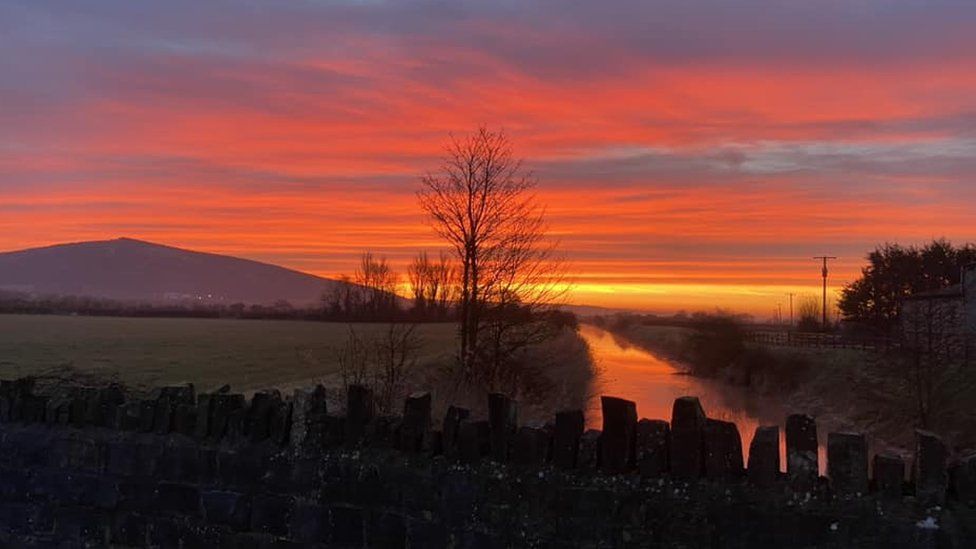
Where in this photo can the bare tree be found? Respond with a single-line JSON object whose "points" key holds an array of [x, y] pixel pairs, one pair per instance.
{"points": [[431, 284], [395, 352], [342, 299], [480, 201], [933, 351], [381, 361], [378, 283], [808, 313], [354, 360]]}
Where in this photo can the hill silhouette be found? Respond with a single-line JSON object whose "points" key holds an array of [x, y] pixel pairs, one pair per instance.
{"points": [[135, 270]]}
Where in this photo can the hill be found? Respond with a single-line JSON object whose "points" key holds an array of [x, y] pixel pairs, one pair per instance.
{"points": [[134, 270]]}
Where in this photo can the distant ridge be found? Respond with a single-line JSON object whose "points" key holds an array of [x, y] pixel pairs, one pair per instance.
{"points": [[134, 270]]}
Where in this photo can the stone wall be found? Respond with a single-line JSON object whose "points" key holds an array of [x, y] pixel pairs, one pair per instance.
{"points": [[91, 467]]}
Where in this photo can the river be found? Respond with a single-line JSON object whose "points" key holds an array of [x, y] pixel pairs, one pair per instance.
{"points": [[629, 372]]}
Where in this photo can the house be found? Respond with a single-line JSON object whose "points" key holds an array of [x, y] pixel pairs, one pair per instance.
{"points": [[943, 321]]}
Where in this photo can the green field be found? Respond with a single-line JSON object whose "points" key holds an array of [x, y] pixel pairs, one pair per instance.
{"points": [[144, 352]]}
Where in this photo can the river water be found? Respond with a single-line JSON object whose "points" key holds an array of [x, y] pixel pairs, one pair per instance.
{"points": [[654, 383]]}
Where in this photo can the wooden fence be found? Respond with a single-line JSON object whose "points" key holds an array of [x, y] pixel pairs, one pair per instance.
{"points": [[820, 340]]}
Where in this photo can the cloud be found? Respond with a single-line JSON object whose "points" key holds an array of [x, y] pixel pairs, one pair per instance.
{"points": [[687, 132]]}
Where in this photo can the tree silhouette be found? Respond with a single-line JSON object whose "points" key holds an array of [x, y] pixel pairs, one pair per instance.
{"points": [[432, 285], [895, 272], [480, 202]]}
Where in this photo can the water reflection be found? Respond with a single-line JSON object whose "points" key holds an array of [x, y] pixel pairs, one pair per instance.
{"points": [[653, 383]]}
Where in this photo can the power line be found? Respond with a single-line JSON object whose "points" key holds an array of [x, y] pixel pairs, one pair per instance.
{"points": [[825, 258]]}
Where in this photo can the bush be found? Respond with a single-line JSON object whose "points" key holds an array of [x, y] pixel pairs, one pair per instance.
{"points": [[715, 343]]}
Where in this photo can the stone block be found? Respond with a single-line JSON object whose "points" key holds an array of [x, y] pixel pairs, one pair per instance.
{"points": [[16, 484], [227, 509], [223, 409], [588, 457], [185, 463], [566, 438], [310, 523], [246, 466], [271, 514], [473, 440], [257, 420], [13, 392], [452, 424], [764, 461], [185, 419], [963, 480], [503, 419], [387, 530], [687, 438], [930, 469], [847, 463], [383, 432], [109, 400], [58, 410], [348, 526], [147, 415], [63, 487], [436, 447], [178, 499], [334, 431], [97, 491], [415, 429], [317, 425], [129, 458], [163, 416], [531, 446], [84, 527], [33, 408], [279, 430], [204, 414], [889, 475], [78, 453], [131, 530], [308, 407], [17, 387], [653, 436], [185, 394], [138, 494], [165, 532], [618, 442], [84, 406], [723, 450], [802, 461], [360, 410]]}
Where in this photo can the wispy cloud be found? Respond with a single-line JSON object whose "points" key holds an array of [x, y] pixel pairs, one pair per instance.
{"points": [[681, 132]]}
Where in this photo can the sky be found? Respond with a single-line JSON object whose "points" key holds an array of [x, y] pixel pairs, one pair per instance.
{"points": [[692, 154]]}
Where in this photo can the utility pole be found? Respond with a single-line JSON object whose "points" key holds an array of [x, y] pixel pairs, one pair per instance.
{"points": [[791, 294], [824, 258]]}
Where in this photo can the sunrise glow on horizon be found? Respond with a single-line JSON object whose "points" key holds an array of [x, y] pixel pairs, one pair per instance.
{"points": [[691, 155]]}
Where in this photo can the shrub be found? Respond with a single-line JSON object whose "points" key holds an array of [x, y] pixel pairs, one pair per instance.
{"points": [[716, 342]]}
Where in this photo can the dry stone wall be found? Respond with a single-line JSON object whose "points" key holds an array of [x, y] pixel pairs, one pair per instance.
{"points": [[92, 467]]}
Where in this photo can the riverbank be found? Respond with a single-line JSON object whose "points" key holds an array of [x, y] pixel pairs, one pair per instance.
{"points": [[846, 389]]}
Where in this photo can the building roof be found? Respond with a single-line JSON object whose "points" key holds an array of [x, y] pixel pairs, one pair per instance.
{"points": [[949, 292]]}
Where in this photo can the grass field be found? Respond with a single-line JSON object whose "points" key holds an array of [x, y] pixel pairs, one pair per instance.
{"points": [[143, 352]]}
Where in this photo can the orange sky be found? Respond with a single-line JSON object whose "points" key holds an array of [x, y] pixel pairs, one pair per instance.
{"points": [[691, 155]]}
